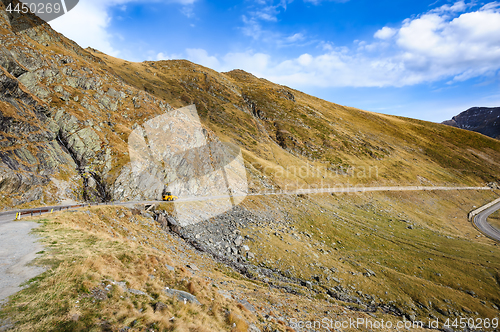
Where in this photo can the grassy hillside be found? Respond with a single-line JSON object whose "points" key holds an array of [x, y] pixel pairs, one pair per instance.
{"points": [[281, 127], [392, 256], [89, 102], [423, 252]]}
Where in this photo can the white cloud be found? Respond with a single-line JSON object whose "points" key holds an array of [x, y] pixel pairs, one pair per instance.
{"points": [[491, 6], [305, 60], [443, 43], [385, 33], [268, 10], [252, 27], [252, 62], [263, 12], [163, 56], [201, 57], [87, 23], [457, 7], [463, 47], [452, 42]]}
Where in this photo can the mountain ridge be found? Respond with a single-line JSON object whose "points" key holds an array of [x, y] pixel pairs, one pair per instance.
{"points": [[484, 120]]}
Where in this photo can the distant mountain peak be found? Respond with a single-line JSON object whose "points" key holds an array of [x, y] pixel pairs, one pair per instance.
{"points": [[484, 120]]}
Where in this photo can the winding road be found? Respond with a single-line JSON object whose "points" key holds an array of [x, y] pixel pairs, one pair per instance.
{"points": [[19, 246], [481, 222]]}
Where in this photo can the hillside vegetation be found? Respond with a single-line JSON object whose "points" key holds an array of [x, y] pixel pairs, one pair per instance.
{"points": [[67, 114], [279, 127], [110, 269]]}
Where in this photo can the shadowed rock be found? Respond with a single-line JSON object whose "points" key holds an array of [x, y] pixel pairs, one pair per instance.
{"points": [[182, 296]]}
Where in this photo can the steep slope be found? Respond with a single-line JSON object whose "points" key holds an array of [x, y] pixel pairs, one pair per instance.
{"points": [[123, 282], [281, 129], [484, 120], [84, 110]]}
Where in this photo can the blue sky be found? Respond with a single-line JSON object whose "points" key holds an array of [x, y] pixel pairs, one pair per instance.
{"points": [[422, 59]]}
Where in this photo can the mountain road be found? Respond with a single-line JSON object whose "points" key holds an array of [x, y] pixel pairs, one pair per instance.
{"points": [[19, 245], [481, 223]]}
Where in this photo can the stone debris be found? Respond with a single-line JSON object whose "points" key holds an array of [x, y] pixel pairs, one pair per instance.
{"points": [[369, 273], [123, 286], [160, 306], [181, 295], [193, 267], [247, 305], [225, 294]]}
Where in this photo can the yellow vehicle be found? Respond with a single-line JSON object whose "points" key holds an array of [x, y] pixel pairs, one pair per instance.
{"points": [[167, 196]]}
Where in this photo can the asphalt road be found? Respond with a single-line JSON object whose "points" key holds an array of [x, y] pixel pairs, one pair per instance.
{"points": [[481, 222], [18, 247]]}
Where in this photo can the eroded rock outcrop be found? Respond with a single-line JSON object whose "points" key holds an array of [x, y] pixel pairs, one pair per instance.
{"points": [[66, 119], [175, 152]]}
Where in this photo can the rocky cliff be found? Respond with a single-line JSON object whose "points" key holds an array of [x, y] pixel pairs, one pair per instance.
{"points": [[79, 124], [64, 119], [484, 120]]}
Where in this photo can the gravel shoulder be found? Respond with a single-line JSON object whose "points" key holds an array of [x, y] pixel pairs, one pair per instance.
{"points": [[18, 249]]}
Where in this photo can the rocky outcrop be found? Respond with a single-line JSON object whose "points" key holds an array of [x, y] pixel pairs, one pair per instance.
{"points": [[484, 120], [181, 296], [67, 112], [10, 64], [174, 150], [64, 117], [68, 115], [29, 150]]}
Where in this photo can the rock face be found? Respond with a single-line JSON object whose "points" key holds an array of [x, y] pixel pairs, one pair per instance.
{"points": [[174, 149], [70, 128], [30, 153], [182, 296], [484, 120], [64, 120]]}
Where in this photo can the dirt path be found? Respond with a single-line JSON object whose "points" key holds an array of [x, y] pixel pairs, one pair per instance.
{"points": [[18, 248]]}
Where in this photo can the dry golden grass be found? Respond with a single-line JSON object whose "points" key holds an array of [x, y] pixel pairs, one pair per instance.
{"points": [[88, 249], [237, 323], [439, 260]]}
